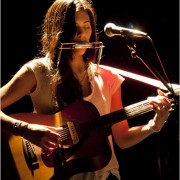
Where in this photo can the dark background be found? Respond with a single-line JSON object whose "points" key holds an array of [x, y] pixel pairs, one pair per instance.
{"points": [[157, 157]]}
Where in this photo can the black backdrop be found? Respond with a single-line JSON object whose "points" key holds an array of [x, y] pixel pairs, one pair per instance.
{"points": [[157, 157]]}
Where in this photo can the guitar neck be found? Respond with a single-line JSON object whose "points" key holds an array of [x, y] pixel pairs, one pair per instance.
{"points": [[126, 113], [133, 110]]}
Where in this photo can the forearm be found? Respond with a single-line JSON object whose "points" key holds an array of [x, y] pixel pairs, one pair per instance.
{"points": [[12, 125], [134, 135]]}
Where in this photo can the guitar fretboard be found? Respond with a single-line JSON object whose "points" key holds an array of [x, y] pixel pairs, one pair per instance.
{"points": [[126, 113]]}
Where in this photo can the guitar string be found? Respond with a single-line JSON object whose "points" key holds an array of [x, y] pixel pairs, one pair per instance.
{"points": [[126, 112]]}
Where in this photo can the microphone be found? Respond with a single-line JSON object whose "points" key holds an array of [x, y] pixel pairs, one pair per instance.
{"points": [[111, 29]]}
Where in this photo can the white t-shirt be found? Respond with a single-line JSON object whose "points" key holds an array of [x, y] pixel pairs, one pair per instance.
{"points": [[103, 87]]}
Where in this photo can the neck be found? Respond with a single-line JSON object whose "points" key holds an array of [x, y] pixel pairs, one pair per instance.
{"points": [[78, 66]]}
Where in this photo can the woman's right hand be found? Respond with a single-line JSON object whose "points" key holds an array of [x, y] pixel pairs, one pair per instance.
{"points": [[46, 137]]}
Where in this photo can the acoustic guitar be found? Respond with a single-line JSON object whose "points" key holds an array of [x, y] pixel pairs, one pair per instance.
{"points": [[85, 146]]}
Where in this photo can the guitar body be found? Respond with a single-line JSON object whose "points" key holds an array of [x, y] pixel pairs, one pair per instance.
{"points": [[15, 166], [85, 146], [90, 153]]}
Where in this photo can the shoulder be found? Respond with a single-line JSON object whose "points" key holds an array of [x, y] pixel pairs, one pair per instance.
{"points": [[36, 63], [40, 65], [22, 82], [106, 72], [109, 72]]}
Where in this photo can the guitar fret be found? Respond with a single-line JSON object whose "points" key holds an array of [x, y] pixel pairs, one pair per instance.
{"points": [[110, 119], [126, 113], [138, 109]]}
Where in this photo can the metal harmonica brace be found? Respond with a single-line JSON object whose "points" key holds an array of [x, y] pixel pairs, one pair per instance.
{"points": [[81, 45]]}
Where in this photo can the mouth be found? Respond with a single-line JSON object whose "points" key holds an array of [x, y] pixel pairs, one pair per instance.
{"points": [[81, 42]]}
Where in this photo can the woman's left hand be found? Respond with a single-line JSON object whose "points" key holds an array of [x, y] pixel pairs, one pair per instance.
{"points": [[161, 105]]}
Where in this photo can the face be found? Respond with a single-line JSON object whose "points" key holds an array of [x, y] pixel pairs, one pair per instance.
{"points": [[84, 29], [83, 26]]}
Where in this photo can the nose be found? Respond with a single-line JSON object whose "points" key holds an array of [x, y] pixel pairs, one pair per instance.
{"points": [[80, 32]]}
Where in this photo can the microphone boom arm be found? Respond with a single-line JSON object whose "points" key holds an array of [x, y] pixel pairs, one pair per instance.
{"points": [[159, 77]]}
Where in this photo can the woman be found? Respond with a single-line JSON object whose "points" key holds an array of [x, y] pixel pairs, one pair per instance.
{"points": [[62, 76]]}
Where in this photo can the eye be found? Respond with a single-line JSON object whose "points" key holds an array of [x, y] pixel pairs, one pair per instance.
{"points": [[87, 27]]}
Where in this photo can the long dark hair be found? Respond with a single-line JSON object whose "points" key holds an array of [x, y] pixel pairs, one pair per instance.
{"points": [[59, 27]]}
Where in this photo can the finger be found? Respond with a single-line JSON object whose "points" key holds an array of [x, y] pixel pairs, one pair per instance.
{"points": [[47, 151], [55, 130], [159, 101], [161, 93], [156, 103], [49, 145], [53, 138], [165, 97], [50, 139], [165, 106]]}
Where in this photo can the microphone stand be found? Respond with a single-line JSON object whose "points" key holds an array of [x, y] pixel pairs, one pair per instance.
{"points": [[132, 46]]}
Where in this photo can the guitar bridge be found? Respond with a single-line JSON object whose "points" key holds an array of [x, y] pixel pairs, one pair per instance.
{"points": [[73, 132]]}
